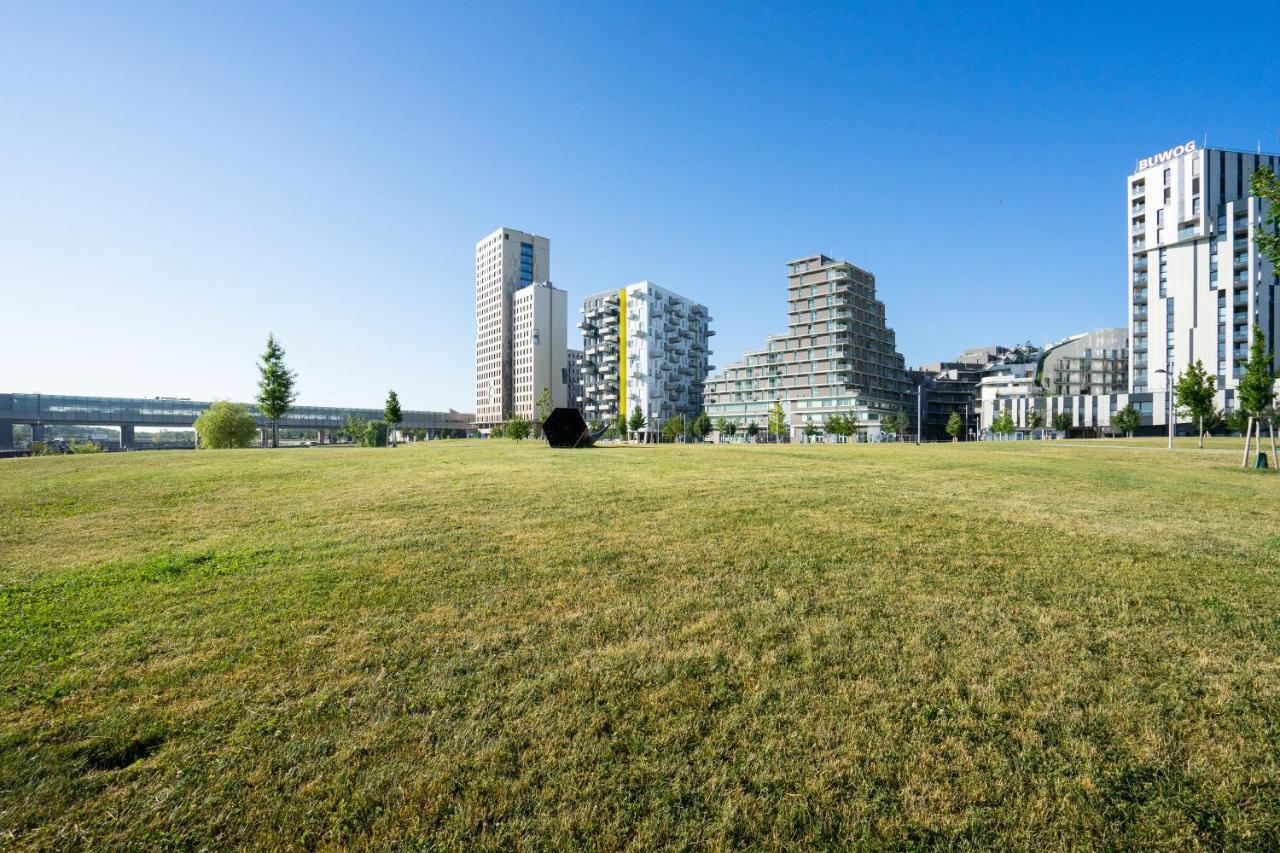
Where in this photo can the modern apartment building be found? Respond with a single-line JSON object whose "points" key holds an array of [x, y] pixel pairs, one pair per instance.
{"points": [[506, 261], [540, 317], [643, 345], [1095, 362], [574, 379], [837, 356], [1197, 282], [1084, 376]]}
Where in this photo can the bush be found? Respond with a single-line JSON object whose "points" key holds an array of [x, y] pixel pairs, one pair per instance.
{"points": [[375, 434], [225, 425], [84, 447]]}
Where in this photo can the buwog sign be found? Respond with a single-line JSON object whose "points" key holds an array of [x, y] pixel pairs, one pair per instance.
{"points": [[1165, 156]]}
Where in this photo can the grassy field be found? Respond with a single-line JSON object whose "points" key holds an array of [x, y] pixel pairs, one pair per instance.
{"points": [[1043, 645]]}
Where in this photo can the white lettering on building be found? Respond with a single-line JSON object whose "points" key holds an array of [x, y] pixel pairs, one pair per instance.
{"points": [[1165, 156]]}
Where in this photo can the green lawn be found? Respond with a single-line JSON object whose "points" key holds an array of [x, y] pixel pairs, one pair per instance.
{"points": [[1029, 645]]}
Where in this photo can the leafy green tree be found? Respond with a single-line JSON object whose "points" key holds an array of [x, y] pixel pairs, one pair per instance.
{"points": [[777, 422], [1035, 419], [722, 427], [1256, 390], [1238, 421], [673, 428], [732, 428], [1062, 422], [1266, 185], [375, 434], [701, 425], [620, 428], [1127, 420], [1194, 392], [1003, 424], [225, 425], [955, 426], [518, 428], [275, 387], [391, 411], [84, 447], [355, 428], [753, 429], [541, 410], [904, 423], [637, 421], [889, 423], [809, 429]]}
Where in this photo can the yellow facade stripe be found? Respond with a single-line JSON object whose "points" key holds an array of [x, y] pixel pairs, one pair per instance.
{"points": [[622, 354]]}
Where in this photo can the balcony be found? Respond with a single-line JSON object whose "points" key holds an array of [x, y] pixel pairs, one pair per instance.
{"points": [[1241, 299], [1140, 278], [1240, 245], [1139, 244], [1140, 313], [1141, 264], [1139, 228], [1138, 207], [1241, 333], [1139, 189], [1241, 278]]}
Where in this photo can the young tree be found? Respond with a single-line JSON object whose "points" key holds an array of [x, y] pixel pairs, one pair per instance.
{"points": [[224, 425], [701, 425], [889, 424], [672, 428], [1035, 419], [1256, 390], [637, 421], [955, 426], [1062, 422], [1126, 420], [777, 422], [1003, 424], [752, 430], [518, 428], [722, 427], [355, 428], [732, 427], [1266, 185], [542, 410], [391, 411], [903, 423], [275, 387], [1237, 421], [375, 434], [809, 429], [1194, 392]]}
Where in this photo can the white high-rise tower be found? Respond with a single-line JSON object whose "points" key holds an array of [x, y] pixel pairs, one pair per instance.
{"points": [[506, 261]]}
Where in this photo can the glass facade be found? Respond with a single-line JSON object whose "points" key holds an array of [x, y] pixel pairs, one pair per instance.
{"points": [[104, 411]]}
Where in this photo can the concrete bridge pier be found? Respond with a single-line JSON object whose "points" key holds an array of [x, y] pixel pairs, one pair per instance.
{"points": [[6, 435], [37, 432], [126, 437]]}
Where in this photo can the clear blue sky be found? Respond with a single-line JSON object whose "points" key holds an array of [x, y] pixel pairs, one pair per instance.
{"points": [[177, 181]]}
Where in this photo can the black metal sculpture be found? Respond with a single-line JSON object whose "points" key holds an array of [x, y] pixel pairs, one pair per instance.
{"points": [[566, 428]]}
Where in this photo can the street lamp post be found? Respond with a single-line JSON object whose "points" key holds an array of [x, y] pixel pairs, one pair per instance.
{"points": [[919, 412], [1168, 393]]}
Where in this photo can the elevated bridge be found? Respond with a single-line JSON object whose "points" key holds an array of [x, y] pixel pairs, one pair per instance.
{"points": [[127, 413]]}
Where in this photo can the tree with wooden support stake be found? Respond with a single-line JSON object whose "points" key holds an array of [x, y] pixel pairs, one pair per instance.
{"points": [[1257, 394]]}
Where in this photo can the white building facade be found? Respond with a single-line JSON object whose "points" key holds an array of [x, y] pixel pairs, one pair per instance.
{"points": [[540, 357], [506, 261], [1197, 282], [646, 346]]}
